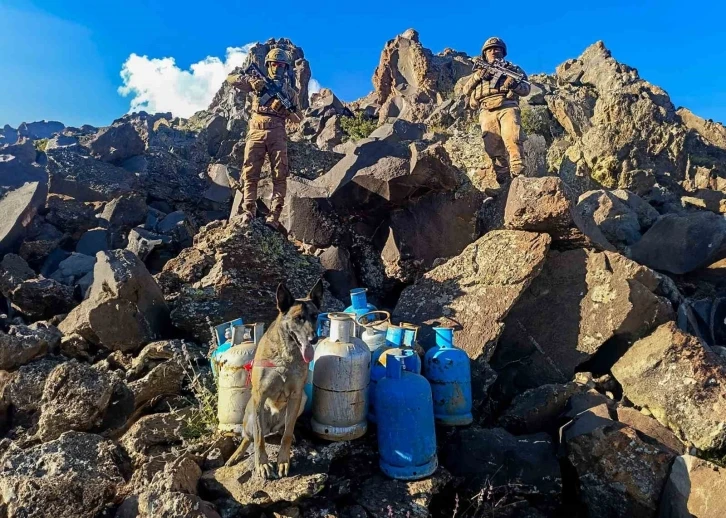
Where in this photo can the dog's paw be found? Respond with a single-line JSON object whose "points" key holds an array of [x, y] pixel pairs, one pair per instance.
{"points": [[265, 470], [283, 469]]}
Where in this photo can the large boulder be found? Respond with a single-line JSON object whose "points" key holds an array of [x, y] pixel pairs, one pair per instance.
{"points": [[18, 165], [452, 217], [233, 270], [615, 219], [18, 207], [24, 392], [75, 397], [125, 308], [678, 380], [695, 487], [69, 215], [581, 301], [682, 243], [84, 178], [116, 143], [537, 205], [475, 290], [325, 103], [22, 343], [125, 211], [619, 473], [75, 475]]}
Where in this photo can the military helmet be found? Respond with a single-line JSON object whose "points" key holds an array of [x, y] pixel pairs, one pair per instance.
{"points": [[494, 42], [277, 54]]}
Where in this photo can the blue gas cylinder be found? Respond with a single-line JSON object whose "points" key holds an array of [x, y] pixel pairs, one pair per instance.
{"points": [[447, 369], [223, 339], [406, 432], [394, 338], [359, 306]]}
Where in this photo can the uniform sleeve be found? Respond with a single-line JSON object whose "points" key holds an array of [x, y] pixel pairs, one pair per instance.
{"points": [[522, 89], [240, 82], [470, 84]]}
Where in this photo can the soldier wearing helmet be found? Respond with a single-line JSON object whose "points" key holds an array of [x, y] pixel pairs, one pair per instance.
{"points": [[500, 116], [266, 136]]}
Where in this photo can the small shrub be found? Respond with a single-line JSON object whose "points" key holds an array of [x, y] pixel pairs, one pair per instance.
{"points": [[357, 127], [40, 144], [202, 422]]}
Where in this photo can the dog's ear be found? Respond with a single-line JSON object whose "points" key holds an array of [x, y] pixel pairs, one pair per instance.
{"points": [[285, 300], [316, 294]]}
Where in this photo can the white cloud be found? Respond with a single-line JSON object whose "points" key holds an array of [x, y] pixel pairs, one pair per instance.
{"points": [[313, 87], [159, 85]]}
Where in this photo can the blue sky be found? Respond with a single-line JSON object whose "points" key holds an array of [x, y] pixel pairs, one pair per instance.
{"points": [[62, 59]]}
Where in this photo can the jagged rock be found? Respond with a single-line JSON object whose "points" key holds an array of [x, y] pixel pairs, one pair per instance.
{"points": [[605, 146], [325, 103], [116, 143], [677, 379], [399, 131], [385, 498], [233, 270], [174, 505], [220, 190], [69, 215], [592, 401], [126, 211], [18, 207], [600, 297], [42, 240], [125, 307], [538, 205], [40, 129], [13, 272], [168, 176], [713, 132], [153, 430], [75, 397], [308, 476], [177, 226], [614, 219], [22, 343], [537, 409], [695, 487], [338, 271], [94, 241], [619, 474], [24, 391], [74, 475], [85, 178], [18, 165], [41, 298], [73, 268], [682, 243], [493, 455], [409, 77], [650, 428], [331, 135], [152, 248], [715, 201], [165, 379], [452, 217], [476, 289]]}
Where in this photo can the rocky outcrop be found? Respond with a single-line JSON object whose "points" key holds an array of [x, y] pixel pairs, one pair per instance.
{"points": [[125, 308], [676, 378], [581, 301], [79, 477], [476, 289]]}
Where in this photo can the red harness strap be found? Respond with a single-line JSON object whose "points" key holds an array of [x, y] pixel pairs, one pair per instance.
{"points": [[260, 363]]}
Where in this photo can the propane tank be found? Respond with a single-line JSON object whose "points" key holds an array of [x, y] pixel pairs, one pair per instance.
{"points": [[322, 329], [340, 382], [233, 384], [359, 306], [223, 338], [447, 369], [393, 340], [406, 431], [375, 325]]}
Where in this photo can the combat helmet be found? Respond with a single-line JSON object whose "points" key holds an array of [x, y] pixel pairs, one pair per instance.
{"points": [[277, 54], [494, 42]]}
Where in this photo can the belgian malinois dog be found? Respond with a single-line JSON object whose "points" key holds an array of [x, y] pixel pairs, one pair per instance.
{"points": [[279, 371]]}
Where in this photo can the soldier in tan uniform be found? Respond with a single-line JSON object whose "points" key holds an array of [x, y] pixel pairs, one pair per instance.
{"points": [[267, 136], [499, 117]]}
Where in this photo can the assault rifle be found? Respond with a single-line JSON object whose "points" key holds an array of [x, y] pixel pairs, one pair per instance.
{"points": [[272, 91], [498, 68]]}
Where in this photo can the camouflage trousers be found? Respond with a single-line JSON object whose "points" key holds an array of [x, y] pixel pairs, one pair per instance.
{"points": [[503, 141], [266, 138]]}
